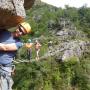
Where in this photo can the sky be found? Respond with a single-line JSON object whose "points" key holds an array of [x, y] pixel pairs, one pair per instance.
{"points": [[71, 3]]}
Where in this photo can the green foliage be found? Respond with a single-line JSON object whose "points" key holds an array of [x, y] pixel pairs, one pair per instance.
{"points": [[50, 75]]}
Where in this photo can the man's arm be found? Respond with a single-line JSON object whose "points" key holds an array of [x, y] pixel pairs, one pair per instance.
{"points": [[8, 47]]}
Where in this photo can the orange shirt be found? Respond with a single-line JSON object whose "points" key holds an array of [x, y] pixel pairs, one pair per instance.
{"points": [[28, 45]]}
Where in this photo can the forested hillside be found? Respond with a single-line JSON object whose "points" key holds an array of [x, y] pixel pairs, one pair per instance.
{"points": [[51, 73]]}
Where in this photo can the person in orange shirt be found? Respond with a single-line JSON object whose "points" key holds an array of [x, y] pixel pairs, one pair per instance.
{"points": [[29, 49], [37, 49]]}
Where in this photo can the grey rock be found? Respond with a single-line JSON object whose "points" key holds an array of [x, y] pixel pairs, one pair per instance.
{"points": [[69, 49], [74, 48], [12, 12]]}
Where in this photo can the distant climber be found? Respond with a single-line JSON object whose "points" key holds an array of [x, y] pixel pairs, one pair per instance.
{"points": [[37, 48], [50, 45], [29, 45]]}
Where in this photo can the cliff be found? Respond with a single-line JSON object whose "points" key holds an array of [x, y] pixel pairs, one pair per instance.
{"points": [[12, 12]]}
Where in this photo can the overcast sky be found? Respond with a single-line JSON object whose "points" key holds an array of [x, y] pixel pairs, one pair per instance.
{"points": [[71, 3]]}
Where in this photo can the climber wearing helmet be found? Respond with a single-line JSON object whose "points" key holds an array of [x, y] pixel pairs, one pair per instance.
{"points": [[29, 46], [9, 44], [22, 29]]}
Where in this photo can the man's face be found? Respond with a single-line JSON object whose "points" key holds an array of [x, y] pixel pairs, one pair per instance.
{"points": [[19, 32]]}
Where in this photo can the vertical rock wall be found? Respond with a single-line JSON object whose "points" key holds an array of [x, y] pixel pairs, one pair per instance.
{"points": [[12, 12]]}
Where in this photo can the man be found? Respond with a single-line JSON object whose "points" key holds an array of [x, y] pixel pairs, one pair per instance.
{"points": [[9, 44], [50, 46], [37, 48]]}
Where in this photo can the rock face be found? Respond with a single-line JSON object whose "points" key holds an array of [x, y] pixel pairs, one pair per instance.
{"points": [[67, 50], [72, 43], [74, 48], [12, 12]]}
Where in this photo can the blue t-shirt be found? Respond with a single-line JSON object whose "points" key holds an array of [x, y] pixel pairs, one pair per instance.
{"points": [[6, 57]]}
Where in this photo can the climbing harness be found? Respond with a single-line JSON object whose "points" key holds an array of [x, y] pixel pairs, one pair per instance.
{"points": [[6, 81]]}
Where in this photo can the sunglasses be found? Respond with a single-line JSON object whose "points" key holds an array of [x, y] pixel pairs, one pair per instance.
{"points": [[20, 29]]}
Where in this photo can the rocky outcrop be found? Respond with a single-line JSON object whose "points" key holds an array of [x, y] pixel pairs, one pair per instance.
{"points": [[72, 43], [12, 12], [74, 49], [68, 34], [66, 50]]}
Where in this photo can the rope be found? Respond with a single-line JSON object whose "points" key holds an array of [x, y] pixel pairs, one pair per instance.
{"points": [[48, 54]]}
